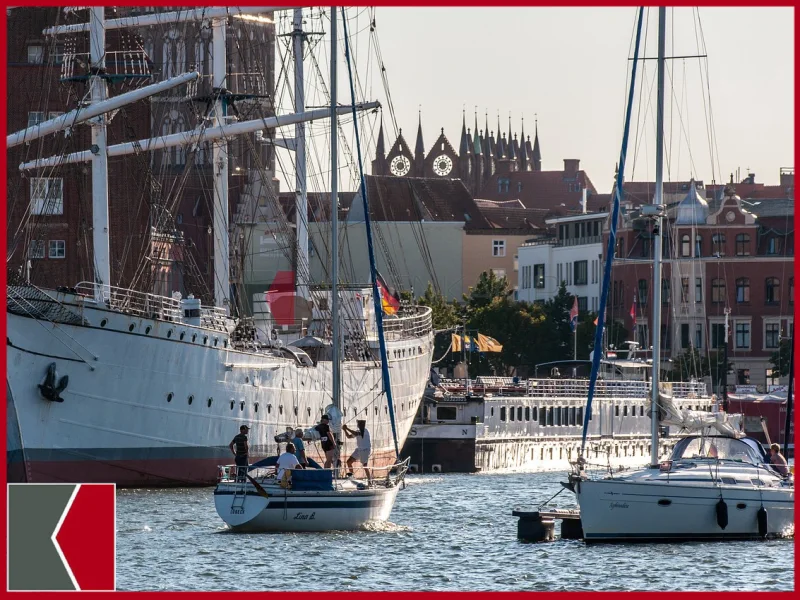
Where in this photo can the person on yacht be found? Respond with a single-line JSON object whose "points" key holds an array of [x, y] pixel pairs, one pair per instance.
{"points": [[363, 447], [287, 460], [778, 461]]}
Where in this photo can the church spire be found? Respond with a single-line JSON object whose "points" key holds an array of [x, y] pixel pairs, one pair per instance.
{"points": [[380, 149], [500, 152], [463, 149], [420, 146], [476, 139], [537, 154], [523, 151]]}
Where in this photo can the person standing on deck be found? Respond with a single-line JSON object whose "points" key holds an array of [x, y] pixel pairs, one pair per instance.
{"points": [[363, 447], [241, 451], [327, 440]]}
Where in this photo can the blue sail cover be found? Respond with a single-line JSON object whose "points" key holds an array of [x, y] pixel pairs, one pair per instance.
{"points": [[612, 240], [376, 295]]}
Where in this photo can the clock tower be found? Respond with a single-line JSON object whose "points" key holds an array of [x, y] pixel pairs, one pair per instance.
{"points": [[442, 159], [400, 159]]}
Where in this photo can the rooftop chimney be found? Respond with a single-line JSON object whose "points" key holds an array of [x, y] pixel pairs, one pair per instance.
{"points": [[571, 166], [787, 178]]}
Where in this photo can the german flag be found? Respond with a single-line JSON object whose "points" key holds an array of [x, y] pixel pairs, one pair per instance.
{"points": [[390, 302]]}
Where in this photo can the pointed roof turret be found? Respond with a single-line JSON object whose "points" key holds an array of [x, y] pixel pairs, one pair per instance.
{"points": [[500, 150], [463, 148], [537, 154], [523, 151], [380, 149], [420, 147], [512, 149], [476, 139]]}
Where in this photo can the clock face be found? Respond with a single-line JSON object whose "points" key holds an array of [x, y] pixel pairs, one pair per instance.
{"points": [[442, 165], [400, 166], [730, 216]]}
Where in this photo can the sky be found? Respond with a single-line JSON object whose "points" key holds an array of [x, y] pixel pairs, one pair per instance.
{"points": [[569, 68]]}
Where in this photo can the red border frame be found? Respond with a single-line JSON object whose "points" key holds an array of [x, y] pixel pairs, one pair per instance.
{"points": [[438, 3]]}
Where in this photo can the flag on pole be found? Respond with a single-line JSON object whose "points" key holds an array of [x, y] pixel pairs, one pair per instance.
{"points": [[633, 310], [595, 321], [573, 315], [389, 301]]}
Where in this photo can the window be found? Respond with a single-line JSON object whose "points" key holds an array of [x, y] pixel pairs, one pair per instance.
{"points": [[665, 291], [36, 249], [698, 246], [542, 416], [538, 276], [621, 248], [698, 289], [775, 245], [535, 416], [527, 413], [519, 413], [499, 273], [498, 247], [583, 303], [717, 335], [511, 414], [718, 291], [35, 118], [772, 335], [446, 413], [643, 293], [743, 376], [666, 341], [742, 245], [685, 335], [684, 289], [581, 272], [773, 289], [686, 245], [742, 290], [47, 196], [743, 335], [698, 336], [644, 248], [35, 54], [718, 244], [579, 415], [57, 249], [502, 413]]}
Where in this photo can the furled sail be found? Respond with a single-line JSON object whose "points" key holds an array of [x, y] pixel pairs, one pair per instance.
{"points": [[697, 420]]}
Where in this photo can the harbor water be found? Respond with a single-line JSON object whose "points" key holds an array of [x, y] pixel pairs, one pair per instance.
{"points": [[447, 533]]}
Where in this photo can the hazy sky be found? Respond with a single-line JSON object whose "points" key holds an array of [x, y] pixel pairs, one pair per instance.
{"points": [[569, 66]]}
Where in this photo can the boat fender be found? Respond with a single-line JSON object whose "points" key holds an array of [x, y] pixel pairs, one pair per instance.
{"points": [[286, 480], [762, 517], [722, 514]]}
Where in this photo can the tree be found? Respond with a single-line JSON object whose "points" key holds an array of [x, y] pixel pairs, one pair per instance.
{"points": [[780, 359], [689, 364], [489, 287], [445, 314]]}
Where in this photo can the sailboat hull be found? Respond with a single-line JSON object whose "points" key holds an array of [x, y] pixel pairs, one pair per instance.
{"points": [[150, 402], [616, 511]]}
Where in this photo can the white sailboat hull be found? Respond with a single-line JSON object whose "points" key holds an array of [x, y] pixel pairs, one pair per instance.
{"points": [[292, 511], [155, 402], [614, 510]]}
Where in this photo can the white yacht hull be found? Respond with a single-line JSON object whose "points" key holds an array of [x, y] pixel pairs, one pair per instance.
{"points": [[153, 402], [630, 511], [291, 511]]}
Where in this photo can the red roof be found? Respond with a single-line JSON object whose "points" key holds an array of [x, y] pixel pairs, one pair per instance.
{"points": [[541, 189]]}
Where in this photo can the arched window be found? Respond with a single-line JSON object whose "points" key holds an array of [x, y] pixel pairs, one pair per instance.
{"points": [[686, 245], [742, 244], [773, 291], [718, 291], [742, 290], [173, 54], [718, 243], [621, 246], [698, 246]]}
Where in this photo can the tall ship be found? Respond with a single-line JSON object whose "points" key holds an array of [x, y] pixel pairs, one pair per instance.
{"points": [[112, 384], [491, 423]]}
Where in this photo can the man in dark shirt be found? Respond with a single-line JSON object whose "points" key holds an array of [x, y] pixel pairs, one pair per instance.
{"points": [[327, 440], [241, 449]]}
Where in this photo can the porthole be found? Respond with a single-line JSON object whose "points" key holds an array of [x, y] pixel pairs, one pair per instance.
{"points": [[295, 411], [269, 408], [255, 406], [241, 405], [169, 397], [309, 411], [183, 335], [169, 333], [147, 329], [210, 401], [103, 323], [376, 410], [131, 327], [741, 506], [191, 399], [205, 339], [232, 403], [664, 502], [247, 380], [194, 337], [216, 341], [280, 409]]}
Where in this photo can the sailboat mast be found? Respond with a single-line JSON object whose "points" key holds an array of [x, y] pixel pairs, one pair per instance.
{"points": [[99, 93], [301, 200], [219, 154], [335, 366], [658, 201]]}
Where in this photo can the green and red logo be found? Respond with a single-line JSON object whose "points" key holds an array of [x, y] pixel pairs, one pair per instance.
{"points": [[61, 536]]}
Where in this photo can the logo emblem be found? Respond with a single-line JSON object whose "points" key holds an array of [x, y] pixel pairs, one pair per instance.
{"points": [[61, 536]]}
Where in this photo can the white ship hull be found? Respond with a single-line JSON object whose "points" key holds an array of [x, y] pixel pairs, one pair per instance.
{"points": [[154, 402]]}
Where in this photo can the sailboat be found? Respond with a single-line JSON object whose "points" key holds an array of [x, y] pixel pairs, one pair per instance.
{"points": [[106, 384], [717, 483]]}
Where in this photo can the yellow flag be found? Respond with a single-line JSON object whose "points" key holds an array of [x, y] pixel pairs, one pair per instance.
{"points": [[488, 344]]}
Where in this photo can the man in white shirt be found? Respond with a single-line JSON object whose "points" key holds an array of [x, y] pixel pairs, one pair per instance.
{"points": [[363, 447], [287, 460]]}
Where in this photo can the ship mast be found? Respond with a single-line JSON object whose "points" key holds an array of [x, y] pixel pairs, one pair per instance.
{"points": [[98, 93], [658, 202], [219, 153], [335, 346], [301, 230]]}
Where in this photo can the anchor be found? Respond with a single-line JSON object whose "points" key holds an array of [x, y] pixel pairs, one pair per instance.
{"points": [[49, 389]]}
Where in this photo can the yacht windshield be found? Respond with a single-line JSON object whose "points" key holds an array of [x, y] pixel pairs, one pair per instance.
{"points": [[722, 448]]}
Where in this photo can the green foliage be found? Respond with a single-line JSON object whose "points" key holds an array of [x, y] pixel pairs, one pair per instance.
{"points": [[690, 363], [780, 358], [444, 314], [489, 287]]}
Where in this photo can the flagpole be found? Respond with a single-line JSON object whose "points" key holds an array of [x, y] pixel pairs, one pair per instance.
{"points": [[575, 336]]}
